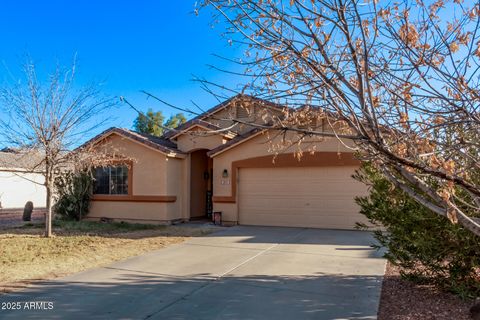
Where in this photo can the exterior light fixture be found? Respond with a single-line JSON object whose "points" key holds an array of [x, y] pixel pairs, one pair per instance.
{"points": [[225, 173]]}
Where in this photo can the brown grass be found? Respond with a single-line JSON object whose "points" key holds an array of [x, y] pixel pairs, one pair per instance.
{"points": [[26, 256]]}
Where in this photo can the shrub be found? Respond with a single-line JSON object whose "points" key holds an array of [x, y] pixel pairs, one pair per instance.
{"points": [[73, 194], [428, 248]]}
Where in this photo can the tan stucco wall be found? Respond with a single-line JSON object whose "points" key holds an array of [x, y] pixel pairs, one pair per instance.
{"points": [[154, 174], [192, 141], [255, 147], [174, 181]]}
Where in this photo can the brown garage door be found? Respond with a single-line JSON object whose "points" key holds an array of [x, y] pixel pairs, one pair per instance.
{"points": [[316, 197]]}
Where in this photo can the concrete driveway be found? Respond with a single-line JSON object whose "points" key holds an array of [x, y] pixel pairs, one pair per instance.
{"points": [[237, 273]]}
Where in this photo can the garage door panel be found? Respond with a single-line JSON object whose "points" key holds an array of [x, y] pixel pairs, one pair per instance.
{"points": [[320, 197]]}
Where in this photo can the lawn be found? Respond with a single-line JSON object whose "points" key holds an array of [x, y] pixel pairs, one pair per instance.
{"points": [[26, 256]]}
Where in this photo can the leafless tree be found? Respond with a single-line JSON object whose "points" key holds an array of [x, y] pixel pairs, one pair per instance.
{"points": [[400, 78], [46, 120]]}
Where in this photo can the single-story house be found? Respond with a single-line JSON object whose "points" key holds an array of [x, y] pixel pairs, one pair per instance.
{"points": [[19, 183], [215, 164]]}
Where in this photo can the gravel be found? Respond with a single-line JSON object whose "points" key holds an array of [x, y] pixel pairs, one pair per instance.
{"points": [[404, 300]]}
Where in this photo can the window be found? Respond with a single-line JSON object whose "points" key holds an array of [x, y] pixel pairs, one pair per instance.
{"points": [[111, 180]]}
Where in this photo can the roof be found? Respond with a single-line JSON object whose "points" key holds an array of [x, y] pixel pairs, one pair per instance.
{"points": [[199, 118], [237, 140], [191, 124], [159, 143], [164, 143], [12, 160]]}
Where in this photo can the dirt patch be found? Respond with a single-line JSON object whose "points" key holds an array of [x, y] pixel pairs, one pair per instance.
{"points": [[26, 256], [403, 300], [14, 219]]}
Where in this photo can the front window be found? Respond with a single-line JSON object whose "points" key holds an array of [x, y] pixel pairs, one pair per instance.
{"points": [[111, 180]]}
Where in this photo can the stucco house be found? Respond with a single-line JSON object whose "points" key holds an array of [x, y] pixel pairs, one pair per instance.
{"points": [[20, 183], [214, 164]]}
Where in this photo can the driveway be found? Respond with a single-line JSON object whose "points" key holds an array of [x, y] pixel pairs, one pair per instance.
{"points": [[237, 273]]}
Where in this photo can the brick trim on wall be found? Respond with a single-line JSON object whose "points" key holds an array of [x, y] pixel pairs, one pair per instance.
{"points": [[132, 198]]}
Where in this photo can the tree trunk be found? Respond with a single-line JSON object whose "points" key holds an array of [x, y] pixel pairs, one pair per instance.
{"points": [[48, 215]]}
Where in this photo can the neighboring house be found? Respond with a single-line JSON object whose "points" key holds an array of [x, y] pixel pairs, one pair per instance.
{"points": [[229, 168], [18, 182]]}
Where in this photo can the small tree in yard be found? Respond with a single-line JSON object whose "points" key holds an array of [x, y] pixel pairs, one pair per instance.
{"points": [[401, 79], [50, 119], [73, 194]]}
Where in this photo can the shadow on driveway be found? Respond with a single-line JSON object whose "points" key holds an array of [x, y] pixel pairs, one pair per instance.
{"points": [[202, 296], [237, 273]]}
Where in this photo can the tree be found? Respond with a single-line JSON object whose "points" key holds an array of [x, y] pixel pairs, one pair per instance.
{"points": [[401, 79], [175, 121], [427, 247], [73, 194], [154, 122], [48, 119], [150, 123]]}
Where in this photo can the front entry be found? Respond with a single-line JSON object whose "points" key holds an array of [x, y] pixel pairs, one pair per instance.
{"points": [[200, 184]]}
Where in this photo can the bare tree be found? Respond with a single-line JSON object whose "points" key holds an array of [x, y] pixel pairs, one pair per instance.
{"points": [[400, 78], [48, 119]]}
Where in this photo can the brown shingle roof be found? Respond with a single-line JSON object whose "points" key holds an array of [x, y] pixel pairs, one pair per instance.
{"points": [[159, 143], [187, 125], [25, 160], [219, 107], [234, 141]]}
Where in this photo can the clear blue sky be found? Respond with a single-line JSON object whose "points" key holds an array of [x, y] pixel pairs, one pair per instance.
{"points": [[153, 45]]}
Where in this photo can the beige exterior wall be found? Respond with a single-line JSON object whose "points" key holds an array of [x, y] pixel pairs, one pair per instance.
{"points": [[256, 147], [154, 174], [16, 188], [192, 142], [174, 181]]}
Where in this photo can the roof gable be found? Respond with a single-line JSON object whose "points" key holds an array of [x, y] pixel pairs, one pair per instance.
{"points": [[195, 125], [229, 103], [160, 144], [235, 141]]}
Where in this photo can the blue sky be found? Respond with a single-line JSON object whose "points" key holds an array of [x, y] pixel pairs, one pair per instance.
{"points": [[153, 45]]}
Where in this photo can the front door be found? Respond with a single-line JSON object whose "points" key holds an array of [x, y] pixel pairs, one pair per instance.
{"points": [[199, 183]]}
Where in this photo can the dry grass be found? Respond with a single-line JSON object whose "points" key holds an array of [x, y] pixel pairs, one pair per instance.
{"points": [[26, 256]]}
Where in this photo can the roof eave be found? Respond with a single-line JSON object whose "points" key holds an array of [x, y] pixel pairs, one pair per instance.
{"points": [[221, 149], [164, 150]]}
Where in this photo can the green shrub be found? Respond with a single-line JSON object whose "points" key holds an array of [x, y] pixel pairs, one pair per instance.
{"points": [[428, 248], [73, 194]]}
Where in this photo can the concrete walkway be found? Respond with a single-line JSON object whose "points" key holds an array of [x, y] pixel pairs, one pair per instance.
{"points": [[237, 273]]}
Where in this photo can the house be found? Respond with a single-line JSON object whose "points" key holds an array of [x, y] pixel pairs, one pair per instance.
{"points": [[215, 164], [20, 183]]}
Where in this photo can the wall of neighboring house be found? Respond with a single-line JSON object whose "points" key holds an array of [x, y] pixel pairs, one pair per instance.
{"points": [[156, 178], [16, 188], [256, 147]]}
